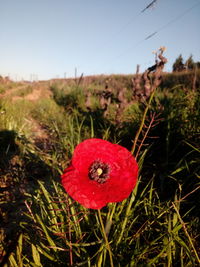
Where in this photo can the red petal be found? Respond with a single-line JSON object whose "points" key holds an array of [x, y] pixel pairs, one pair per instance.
{"points": [[91, 194]]}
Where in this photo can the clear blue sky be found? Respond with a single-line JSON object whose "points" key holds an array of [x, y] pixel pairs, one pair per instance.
{"points": [[48, 38]]}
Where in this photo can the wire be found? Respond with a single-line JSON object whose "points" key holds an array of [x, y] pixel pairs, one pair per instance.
{"points": [[149, 5], [108, 43], [129, 22], [151, 35], [172, 21], [134, 18], [158, 30]]}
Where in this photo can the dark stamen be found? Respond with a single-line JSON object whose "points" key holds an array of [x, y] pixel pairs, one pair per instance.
{"points": [[99, 171]]}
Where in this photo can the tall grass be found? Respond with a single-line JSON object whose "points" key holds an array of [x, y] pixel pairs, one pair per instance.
{"points": [[158, 225], [14, 116]]}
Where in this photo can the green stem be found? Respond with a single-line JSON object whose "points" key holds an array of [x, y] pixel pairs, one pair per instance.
{"points": [[125, 219], [142, 122], [109, 218], [106, 239], [186, 232]]}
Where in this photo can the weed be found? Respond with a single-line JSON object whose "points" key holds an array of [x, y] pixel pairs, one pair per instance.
{"points": [[158, 225]]}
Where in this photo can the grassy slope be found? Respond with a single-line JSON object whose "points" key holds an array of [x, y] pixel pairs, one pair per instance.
{"points": [[41, 226]]}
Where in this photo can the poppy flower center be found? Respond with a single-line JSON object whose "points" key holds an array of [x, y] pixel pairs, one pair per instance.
{"points": [[99, 171]]}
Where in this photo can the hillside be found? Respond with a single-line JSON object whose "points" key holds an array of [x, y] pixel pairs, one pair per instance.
{"points": [[40, 125]]}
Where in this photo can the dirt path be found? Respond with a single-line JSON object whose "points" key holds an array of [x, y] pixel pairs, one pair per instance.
{"points": [[40, 135], [38, 91], [13, 90], [38, 132]]}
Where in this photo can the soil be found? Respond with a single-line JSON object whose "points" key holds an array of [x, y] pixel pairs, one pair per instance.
{"points": [[12, 195], [39, 91]]}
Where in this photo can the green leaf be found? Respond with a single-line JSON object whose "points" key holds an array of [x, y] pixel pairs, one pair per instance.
{"points": [[36, 255]]}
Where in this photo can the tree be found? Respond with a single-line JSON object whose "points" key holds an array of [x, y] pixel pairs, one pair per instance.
{"points": [[190, 64], [198, 64], [178, 64]]}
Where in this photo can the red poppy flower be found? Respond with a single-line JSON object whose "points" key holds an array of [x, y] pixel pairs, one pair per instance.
{"points": [[100, 172]]}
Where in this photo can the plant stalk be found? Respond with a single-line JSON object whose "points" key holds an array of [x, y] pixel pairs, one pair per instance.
{"points": [[106, 239], [142, 122]]}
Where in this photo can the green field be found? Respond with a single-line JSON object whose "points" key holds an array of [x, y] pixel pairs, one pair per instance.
{"points": [[40, 125]]}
